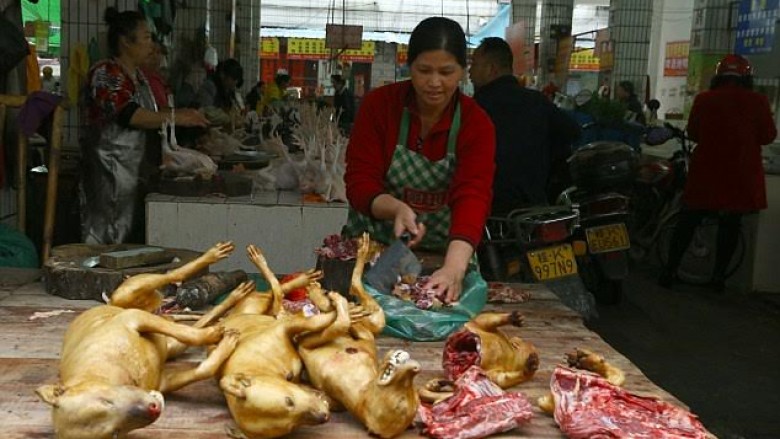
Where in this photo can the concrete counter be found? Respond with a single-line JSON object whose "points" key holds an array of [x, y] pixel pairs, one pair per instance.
{"points": [[281, 223]]}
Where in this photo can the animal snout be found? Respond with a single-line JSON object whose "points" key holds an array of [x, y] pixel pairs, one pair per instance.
{"points": [[154, 410], [155, 407], [319, 417]]}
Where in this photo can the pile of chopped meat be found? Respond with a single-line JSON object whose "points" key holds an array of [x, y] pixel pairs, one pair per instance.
{"points": [[304, 306], [337, 247], [461, 351], [477, 409], [588, 406], [413, 290], [505, 293]]}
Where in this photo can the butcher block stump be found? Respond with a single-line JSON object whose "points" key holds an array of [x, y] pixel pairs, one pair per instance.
{"points": [[65, 275]]}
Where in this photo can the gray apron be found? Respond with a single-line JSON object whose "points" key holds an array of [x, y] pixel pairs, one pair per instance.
{"points": [[112, 209]]}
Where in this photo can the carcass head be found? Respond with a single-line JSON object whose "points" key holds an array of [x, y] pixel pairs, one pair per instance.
{"points": [[271, 407], [100, 411], [397, 369], [391, 404]]}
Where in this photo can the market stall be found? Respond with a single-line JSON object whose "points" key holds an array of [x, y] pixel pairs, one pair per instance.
{"points": [[290, 201], [199, 411]]}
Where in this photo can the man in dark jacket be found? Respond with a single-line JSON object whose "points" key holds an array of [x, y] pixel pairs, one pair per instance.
{"points": [[532, 134], [343, 102]]}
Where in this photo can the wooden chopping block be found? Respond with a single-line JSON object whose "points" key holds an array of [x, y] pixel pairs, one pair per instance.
{"points": [[65, 275], [135, 257]]}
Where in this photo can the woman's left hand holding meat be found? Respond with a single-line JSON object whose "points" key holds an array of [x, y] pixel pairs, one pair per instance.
{"points": [[447, 281]]}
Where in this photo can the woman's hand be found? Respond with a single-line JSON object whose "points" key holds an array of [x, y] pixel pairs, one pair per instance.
{"points": [[387, 207], [406, 221], [447, 282], [189, 117]]}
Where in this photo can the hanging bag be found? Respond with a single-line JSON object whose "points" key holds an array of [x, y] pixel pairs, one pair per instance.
{"points": [[13, 45]]}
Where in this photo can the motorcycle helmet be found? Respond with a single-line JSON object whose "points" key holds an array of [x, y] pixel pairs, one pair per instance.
{"points": [[733, 65]]}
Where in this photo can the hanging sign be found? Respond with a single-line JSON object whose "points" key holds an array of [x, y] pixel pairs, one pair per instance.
{"points": [[269, 48], [676, 58], [340, 37], [756, 26]]}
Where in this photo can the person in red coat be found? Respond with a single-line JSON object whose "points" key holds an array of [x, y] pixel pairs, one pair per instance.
{"points": [[730, 122], [420, 157]]}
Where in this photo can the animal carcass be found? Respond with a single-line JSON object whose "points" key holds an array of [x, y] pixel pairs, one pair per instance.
{"points": [[261, 379], [112, 364], [507, 361], [381, 396]]}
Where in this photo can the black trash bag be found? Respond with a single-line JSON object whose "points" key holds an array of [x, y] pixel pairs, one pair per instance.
{"points": [[13, 45]]}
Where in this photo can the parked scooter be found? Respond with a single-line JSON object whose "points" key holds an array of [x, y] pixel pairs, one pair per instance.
{"points": [[601, 172], [534, 245]]}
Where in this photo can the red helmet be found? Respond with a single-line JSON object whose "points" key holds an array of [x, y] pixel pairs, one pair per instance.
{"points": [[733, 65]]}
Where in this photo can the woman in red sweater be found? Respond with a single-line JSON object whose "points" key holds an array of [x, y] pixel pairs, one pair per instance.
{"points": [[730, 122], [421, 157]]}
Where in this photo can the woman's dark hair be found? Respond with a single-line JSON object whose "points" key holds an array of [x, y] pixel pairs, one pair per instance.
{"points": [[121, 24], [438, 33], [628, 86], [742, 81], [232, 69]]}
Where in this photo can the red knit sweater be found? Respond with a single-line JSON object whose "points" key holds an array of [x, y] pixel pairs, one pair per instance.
{"points": [[373, 140]]}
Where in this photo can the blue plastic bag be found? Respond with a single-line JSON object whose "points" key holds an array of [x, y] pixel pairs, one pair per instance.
{"points": [[404, 320]]}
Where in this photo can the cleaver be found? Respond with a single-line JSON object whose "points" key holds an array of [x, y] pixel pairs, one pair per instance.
{"points": [[396, 261]]}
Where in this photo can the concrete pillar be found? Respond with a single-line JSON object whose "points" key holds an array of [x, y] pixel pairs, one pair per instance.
{"points": [[630, 22], [248, 40], [524, 12], [555, 13], [711, 38]]}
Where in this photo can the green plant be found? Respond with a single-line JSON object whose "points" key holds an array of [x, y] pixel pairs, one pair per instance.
{"points": [[605, 111]]}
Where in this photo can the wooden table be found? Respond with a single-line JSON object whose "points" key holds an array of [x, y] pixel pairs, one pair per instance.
{"points": [[29, 355]]}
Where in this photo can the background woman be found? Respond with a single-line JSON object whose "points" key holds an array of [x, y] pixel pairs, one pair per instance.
{"points": [[726, 179], [119, 108], [421, 157], [219, 89]]}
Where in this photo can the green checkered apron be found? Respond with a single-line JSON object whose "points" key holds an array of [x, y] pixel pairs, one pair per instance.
{"points": [[420, 183]]}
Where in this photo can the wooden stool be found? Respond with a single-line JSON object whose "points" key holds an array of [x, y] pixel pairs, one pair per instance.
{"points": [[21, 170]]}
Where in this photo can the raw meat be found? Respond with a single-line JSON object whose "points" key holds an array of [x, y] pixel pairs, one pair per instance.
{"points": [[587, 406], [337, 247], [505, 293], [477, 409], [413, 290], [460, 353]]}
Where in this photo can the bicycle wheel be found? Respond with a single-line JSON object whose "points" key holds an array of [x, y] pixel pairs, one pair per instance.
{"points": [[698, 262]]}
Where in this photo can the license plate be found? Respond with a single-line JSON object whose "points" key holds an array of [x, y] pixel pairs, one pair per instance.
{"points": [[609, 238], [552, 262]]}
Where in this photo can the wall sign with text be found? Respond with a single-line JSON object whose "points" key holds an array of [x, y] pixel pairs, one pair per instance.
{"points": [[756, 26], [676, 58]]}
